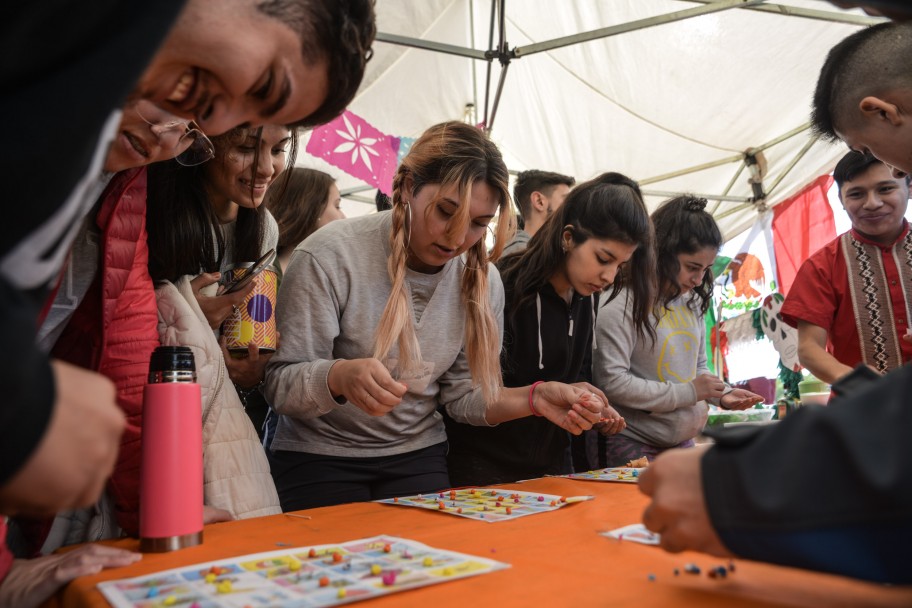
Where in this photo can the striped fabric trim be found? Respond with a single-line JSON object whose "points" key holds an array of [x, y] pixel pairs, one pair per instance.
{"points": [[874, 319]]}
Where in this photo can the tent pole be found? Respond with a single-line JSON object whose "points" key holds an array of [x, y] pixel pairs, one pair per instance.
{"points": [[710, 165], [360, 199], [474, 65], [727, 189], [502, 26], [734, 210], [807, 13], [356, 190], [605, 32], [503, 55], [807, 146], [430, 45], [783, 137], [715, 197], [500, 84], [490, 57]]}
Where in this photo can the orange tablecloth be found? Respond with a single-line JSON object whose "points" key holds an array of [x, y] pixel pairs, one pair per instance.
{"points": [[557, 558]]}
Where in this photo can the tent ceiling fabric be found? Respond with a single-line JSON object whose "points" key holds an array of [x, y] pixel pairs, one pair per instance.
{"points": [[646, 103]]}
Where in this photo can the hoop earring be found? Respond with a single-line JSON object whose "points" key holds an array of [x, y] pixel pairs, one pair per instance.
{"points": [[464, 265], [408, 221]]}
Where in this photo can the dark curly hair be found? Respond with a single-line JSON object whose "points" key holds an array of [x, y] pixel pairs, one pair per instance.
{"points": [[682, 225]]}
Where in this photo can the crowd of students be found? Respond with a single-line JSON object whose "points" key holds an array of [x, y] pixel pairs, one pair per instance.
{"points": [[408, 361]]}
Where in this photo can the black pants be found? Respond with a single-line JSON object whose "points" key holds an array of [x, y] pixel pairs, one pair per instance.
{"points": [[307, 480], [256, 407]]}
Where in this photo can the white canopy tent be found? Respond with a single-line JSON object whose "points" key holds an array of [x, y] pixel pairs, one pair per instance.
{"points": [[680, 95]]}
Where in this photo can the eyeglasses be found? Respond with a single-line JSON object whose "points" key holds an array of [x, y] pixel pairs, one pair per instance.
{"points": [[200, 150], [197, 147]]}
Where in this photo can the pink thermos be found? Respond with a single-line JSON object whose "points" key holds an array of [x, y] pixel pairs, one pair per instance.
{"points": [[171, 486]]}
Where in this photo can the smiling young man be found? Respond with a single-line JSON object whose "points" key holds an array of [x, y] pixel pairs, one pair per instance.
{"points": [[849, 300]]}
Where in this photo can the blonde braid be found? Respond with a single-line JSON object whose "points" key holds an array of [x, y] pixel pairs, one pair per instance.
{"points": [[396, 321], [482, 334]]}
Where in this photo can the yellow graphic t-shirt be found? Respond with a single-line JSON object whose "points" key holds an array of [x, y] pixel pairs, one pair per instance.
{"points": [[679, 329]]}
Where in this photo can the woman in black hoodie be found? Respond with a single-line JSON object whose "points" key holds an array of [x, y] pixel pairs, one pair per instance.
{"points": [[600, 233]]}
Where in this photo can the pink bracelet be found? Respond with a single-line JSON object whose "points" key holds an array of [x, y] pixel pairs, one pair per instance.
{"points": [[531, 397]]}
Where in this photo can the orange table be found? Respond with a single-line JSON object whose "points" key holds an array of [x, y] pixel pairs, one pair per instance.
{"points": [[557, 558]]}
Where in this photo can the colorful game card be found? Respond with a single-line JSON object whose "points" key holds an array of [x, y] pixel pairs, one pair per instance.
{"points": [[635, 532], [322, 575], [622, 474], [487, 504]]}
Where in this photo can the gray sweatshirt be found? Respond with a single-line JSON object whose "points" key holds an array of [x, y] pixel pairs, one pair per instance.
{"points": [[519, 242], [650, 384], [329, 305]]}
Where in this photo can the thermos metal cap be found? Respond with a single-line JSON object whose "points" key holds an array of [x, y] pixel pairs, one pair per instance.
{"points": [[172, 364]]}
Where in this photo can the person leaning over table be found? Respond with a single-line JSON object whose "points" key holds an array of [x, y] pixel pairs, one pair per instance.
{"points": [[222, 222], [659, 381], [386, 316], [198, 59], [60, 427], [827, 488], [599, 237], [103, 316], [110, 243]]}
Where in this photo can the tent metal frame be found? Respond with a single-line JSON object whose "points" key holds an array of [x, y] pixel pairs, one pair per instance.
{"points": [[504, 55]]}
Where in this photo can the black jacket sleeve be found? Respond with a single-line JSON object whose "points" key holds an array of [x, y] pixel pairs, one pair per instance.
{"points": [[828, 488], [25, 408]]}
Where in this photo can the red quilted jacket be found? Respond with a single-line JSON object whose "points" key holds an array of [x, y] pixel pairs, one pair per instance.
{"points": [[6, 557], [115, 328]]}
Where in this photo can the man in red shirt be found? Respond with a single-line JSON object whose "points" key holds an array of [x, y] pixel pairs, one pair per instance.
{"points": [[849, 300]]}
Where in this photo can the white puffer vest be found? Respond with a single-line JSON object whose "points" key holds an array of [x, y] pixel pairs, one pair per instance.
{"points": [[235, 470]]}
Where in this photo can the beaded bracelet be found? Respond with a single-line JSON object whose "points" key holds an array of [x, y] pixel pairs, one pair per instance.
{"points": [[531, 397]]}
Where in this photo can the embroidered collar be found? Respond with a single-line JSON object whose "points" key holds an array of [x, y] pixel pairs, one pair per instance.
{"points": [[863, 239]]}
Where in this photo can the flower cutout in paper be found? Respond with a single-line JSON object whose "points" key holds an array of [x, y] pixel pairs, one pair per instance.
{"points": [[358, 145]]}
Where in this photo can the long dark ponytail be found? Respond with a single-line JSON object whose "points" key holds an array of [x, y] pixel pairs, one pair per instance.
{"points": [[607, 207]]}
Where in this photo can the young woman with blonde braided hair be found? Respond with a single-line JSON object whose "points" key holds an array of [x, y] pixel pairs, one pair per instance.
{"points": [[388, 316]]}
